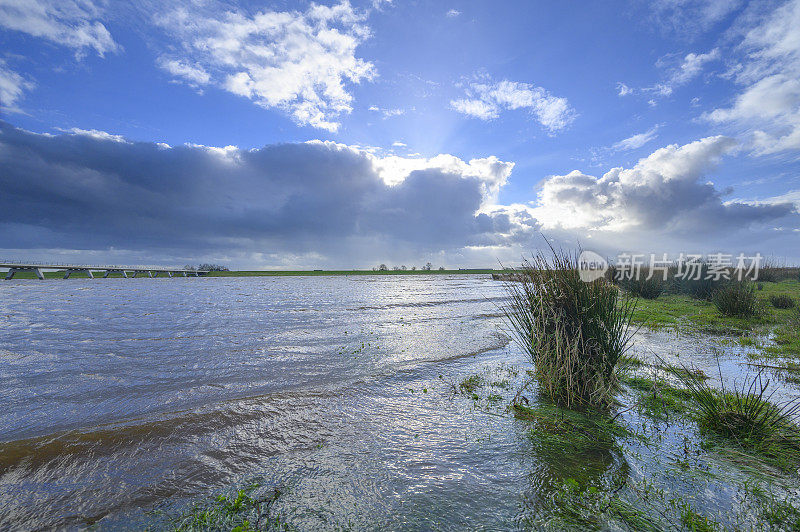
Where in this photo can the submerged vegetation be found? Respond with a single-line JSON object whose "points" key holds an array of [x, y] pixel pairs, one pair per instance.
{"points": [[247, 510], [575, 332]]}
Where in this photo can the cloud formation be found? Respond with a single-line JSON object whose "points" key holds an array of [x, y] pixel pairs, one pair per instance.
{"points": [[486, 100], [300, 62], [636, 141], [331, 204], [690, 66], [12, 86], [86, 189], [691, 17], [664, 193], [769, 103], [71, 23]]}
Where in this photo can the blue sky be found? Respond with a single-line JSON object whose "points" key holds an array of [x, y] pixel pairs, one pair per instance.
{"points": [[510, 113]]}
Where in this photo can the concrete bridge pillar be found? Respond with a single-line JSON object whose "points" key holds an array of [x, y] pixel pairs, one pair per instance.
{"points": [[66, 274], [124, 274], [12, 271]]}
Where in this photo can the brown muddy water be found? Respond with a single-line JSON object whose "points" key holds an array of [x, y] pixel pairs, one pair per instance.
{"points": [[125, 401]]}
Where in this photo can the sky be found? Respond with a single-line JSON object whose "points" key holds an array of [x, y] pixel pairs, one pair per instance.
{"points": [[294, 134]]}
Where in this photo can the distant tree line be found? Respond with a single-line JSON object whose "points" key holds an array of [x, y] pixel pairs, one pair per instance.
{"points": [[207, 267]]}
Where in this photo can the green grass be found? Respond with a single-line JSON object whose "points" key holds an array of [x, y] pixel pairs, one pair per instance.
{"points": [[686, 312]]}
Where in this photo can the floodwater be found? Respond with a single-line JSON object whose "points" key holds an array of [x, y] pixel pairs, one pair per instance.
{"points": [[124, 401]]}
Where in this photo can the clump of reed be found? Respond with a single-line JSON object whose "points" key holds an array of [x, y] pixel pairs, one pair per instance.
{"points": [[699, 283], [781, 301], [736, 299], [642, 286], [747, 416], [574, 331], [771, 271]]}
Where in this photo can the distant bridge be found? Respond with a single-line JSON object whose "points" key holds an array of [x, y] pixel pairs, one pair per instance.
{"points": [[90, 270]]}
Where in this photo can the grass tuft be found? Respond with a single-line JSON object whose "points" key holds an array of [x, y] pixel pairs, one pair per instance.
{"points": [[736, 299], [781, 301], [747, 417], [574, 331], [643, 287]]}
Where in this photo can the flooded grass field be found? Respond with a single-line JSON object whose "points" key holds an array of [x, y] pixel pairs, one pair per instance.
{"points": [[344, 403]]}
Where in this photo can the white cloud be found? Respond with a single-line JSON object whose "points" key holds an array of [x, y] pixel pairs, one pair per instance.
{"points": [[769, 104], [691, 65], [387, 113], [453, 13], [636, 141], [691, 17], [71, 23], [666, 192], [476, 108], [12, 86], [689, 68], [194, 74], [793, 196], [490, 172], [96, 134], [398, 144], [300, 62], [486, 100]]}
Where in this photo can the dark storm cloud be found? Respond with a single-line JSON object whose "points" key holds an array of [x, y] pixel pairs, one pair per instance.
{"points": [[93, 190]]}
